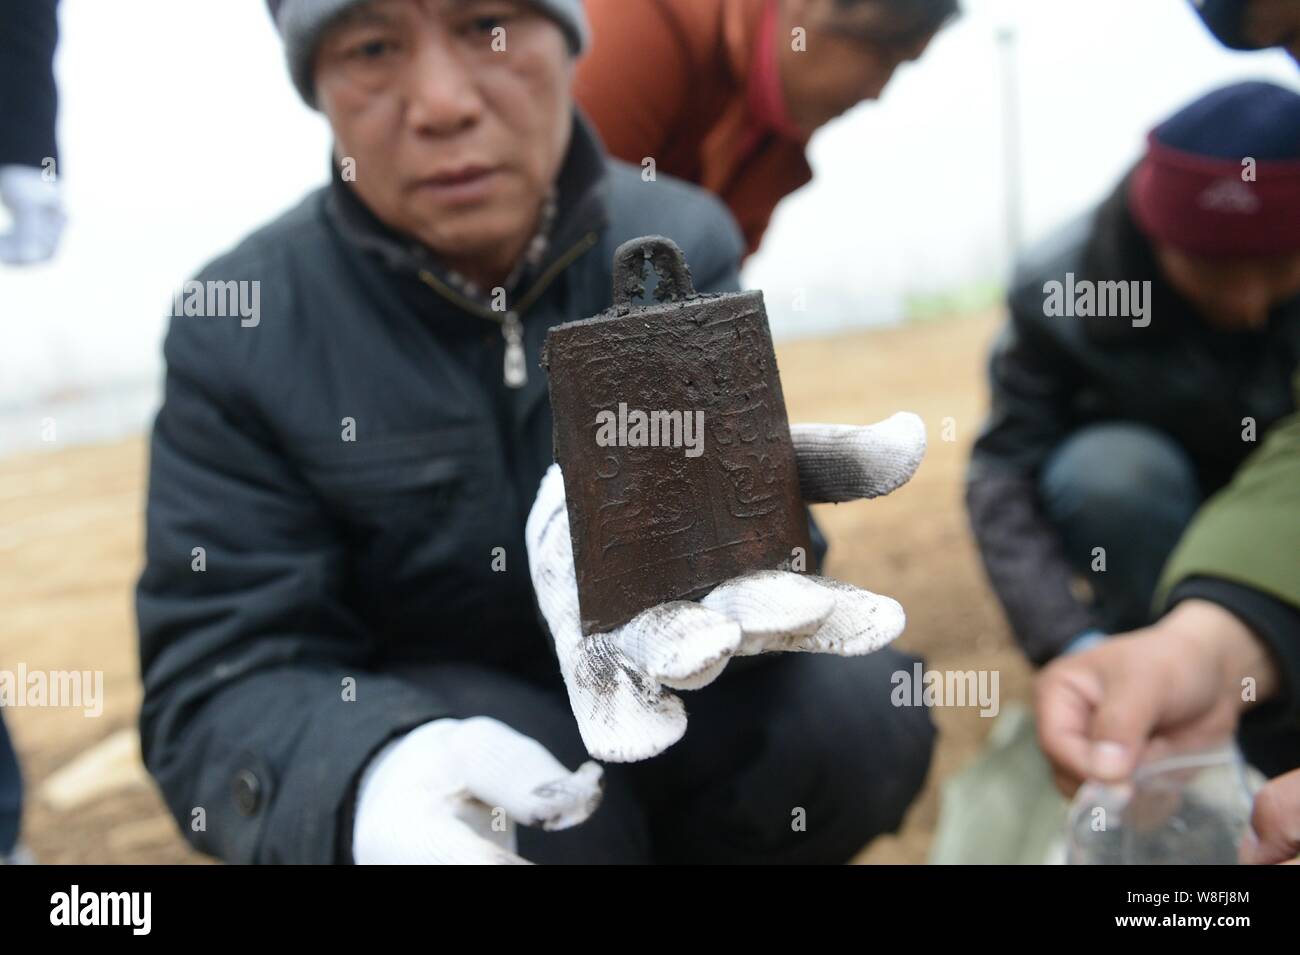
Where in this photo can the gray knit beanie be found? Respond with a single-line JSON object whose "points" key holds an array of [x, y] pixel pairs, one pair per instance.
{"points": [[301, 23]]}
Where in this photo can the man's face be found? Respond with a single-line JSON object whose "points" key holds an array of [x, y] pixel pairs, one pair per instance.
{"points": [[457, 114], [851, 56], [1233, 295], [1274, 23]]}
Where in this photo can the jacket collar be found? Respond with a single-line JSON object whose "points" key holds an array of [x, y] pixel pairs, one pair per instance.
{"points": [[749, 38], [741, 20], [1118, 251]]}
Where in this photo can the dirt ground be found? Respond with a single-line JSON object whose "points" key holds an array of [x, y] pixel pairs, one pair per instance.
{"points": [[70, 551]]}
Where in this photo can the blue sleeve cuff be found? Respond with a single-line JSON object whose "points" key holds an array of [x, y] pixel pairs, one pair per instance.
{"points": [[1084, 641]]}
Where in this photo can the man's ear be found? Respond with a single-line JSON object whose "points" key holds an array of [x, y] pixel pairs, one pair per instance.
{"points": [[832, 12], [863, 17], [808, 12]]}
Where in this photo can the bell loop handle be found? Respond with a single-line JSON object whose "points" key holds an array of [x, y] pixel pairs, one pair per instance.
{"points": [[668, 261]]}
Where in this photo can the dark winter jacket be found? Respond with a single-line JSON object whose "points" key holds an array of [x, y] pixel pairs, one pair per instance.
{"points": [[329, 566]]}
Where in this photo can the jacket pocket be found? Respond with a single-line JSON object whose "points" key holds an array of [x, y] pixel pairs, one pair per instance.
{"points": [[417, 517], [384, 483]]}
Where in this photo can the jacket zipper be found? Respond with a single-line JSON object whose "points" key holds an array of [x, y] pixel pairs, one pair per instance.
{"points": [[515, 372]]}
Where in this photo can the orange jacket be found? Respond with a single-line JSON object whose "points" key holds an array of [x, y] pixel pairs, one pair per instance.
{"points": [[670, 79]]}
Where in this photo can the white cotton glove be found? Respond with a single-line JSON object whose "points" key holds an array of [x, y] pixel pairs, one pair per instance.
{"points": [[450, 792], [37, 211], [617, 680]]}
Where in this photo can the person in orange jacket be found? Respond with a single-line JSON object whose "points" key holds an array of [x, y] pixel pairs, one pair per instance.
{"points": [[727, 93]]}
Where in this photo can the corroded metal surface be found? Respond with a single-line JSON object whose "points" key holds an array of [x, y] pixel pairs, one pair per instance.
{"points": [[669, 522]]}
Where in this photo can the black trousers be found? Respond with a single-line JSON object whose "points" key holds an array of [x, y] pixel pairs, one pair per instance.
{"points": [[793, 758]]}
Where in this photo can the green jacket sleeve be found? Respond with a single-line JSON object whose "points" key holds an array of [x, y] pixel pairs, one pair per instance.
{"points": [[1250, 531], [1242, 551]]}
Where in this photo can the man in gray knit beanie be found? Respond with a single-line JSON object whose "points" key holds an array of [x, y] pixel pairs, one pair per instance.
{"points": [[451, 118], [301, 23]]}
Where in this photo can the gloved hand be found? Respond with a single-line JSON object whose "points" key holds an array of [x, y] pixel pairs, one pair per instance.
{"points": [[37, 211], [450, 792], [617, 680]]}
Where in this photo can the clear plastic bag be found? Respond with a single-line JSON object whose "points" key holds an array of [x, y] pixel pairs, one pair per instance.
{"points": [[1190, 808]]}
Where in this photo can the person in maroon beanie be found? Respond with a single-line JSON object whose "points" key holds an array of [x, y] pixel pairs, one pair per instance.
{"points": [[1149, 347]]}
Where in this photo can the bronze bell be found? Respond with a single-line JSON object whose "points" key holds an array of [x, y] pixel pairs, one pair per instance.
{"points": [[671, 431]]}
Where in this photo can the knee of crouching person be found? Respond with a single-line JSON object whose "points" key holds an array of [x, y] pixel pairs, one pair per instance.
{"points": [[1113, 474]]}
